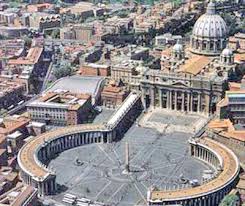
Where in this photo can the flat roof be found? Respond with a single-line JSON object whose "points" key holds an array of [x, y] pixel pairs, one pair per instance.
{"points": [[37, 124], [236, 94], [37, 103], [14, 135], [94, 65]]}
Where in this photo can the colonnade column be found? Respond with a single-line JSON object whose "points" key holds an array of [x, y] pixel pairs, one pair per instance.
{"points": [[46, 187], [215, 45], [199, 103], [102, 139], [160, 98], [183, 102], [42, 189], [152, 97], [51, 186], [200, 46], [209, 46], [191, 102], [175, 100], [143, 98], [39, 188], [221, 45], [207, 102], [188, 102], [170, 100]]}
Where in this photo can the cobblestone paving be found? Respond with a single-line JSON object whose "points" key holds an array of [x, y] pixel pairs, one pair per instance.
{"points": [[156, 159]]}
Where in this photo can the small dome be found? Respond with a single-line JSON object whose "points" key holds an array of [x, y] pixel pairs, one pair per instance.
{"points": [[227, 52], [178, 47], [112, 82], [141, 68]]}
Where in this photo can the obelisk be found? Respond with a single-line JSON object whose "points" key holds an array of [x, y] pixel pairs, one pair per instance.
{"points": [[126, 170]]}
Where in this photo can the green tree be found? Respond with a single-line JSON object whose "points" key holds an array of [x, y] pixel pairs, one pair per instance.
{"points": [[123, 13], [62, 71], [3, 112], [231, 22], [27, 40], [230, 200], [241, 26], [55, 34], [150, 2], [14, 4], [176, 3]]}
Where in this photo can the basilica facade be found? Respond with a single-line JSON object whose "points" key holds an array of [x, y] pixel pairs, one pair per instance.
{"points": [[181, 92]]}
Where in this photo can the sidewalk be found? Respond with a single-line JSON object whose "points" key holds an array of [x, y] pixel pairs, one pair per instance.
{"points": [[172, 121]]}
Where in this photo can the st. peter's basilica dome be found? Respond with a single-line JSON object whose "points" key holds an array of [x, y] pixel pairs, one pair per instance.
{"points": [[210, 33]]}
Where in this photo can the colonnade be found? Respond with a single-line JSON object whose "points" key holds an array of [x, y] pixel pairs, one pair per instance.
{"points": [[49, 149], [206, 155], [45, 187], [209, 200], [181, 100], [212, 199], [124, 125], [211, 196]]}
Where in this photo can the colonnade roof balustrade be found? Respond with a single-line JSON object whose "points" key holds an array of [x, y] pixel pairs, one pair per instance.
{"points": [[123, 109], [27, 155], [230, 171], [174, 75]]}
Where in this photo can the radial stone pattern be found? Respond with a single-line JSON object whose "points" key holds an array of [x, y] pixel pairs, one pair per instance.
{"points": [[97, 171]]}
